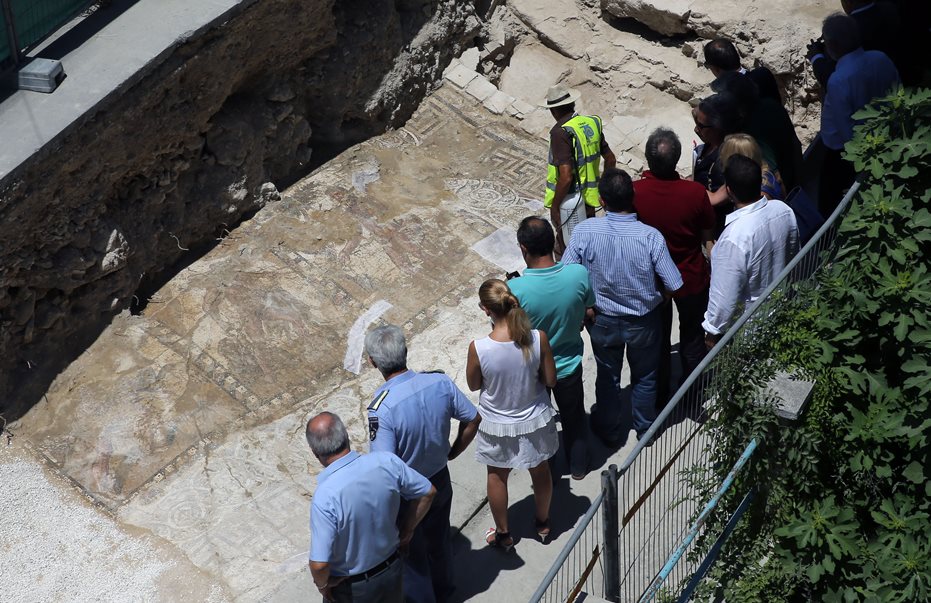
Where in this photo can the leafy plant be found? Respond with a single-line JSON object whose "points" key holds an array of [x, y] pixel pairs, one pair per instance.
{"points": [[845, 493]]}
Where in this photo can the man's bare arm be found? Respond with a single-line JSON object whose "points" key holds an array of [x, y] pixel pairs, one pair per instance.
{"points": [[467, 431], [321, 575], [415, 513]]}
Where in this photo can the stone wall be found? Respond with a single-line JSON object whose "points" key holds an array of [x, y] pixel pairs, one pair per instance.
{"points": [[177, 157]]}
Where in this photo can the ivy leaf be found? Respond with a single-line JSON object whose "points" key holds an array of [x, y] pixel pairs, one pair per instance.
{"points": [[914, 472]]}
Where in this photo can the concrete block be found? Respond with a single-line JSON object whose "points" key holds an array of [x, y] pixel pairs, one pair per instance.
{"points": [[793, 394], [537, 123], [498, 102], [480, 89], [470, 58], [460, 75], [452, 65], [522, 107]]}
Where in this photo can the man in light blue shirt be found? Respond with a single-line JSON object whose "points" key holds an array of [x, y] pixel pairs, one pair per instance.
{"points": [[354, 523], [556, 296], [626, 261], [410, 417]]}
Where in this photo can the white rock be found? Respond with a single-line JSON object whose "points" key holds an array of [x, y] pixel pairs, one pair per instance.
{"points": [[460, 75], [564, 30], [668, 17], [480, 88], [116, 254], [498, 102], [533, 69]]}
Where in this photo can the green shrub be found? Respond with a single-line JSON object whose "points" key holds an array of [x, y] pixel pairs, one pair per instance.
{"points": [[845, 499]]}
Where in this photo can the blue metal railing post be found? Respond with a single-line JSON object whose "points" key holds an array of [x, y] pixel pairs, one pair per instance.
{"points": [[697, 525], [609, 526], [716, 548]]}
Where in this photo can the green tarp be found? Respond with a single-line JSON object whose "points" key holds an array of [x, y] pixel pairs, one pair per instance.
{"points": [[35, 19]]}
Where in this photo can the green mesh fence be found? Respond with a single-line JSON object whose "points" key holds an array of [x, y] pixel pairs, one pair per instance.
{"points": [[35, 19], [5, 51]]}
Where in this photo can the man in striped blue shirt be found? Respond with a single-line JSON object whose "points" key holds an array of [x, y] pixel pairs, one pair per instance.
{"points": [[627, 261]]}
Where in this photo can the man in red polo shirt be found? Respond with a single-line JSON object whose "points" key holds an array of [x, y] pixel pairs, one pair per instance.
{"points": [[680, 210]]}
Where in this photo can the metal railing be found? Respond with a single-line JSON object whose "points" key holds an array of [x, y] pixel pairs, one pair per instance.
{"points": [[656, 502], [697, 526]]}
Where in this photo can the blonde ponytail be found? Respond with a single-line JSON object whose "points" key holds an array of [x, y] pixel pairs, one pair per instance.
{"points": [[497, 298]]}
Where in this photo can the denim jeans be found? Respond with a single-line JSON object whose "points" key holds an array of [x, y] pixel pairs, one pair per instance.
{"points": [[641, 336]]}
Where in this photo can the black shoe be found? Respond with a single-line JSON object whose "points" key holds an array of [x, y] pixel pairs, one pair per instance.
{"points": [[612, 443]]}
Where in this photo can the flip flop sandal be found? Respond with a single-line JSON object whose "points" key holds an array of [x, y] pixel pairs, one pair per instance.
{"points": [[543, 529], [500, 540]]}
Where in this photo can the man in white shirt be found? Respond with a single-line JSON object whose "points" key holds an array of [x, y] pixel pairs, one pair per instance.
{"points": [[759, 239]]}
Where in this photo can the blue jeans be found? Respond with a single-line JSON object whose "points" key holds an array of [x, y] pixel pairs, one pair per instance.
{"points": [[642, 337]]}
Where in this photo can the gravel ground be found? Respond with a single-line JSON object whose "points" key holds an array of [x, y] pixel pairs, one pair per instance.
{"points": [[54, 546]]}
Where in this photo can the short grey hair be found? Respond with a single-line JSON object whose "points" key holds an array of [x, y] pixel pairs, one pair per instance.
{"points": [[663, 152], [386, 346], [328, 439]]}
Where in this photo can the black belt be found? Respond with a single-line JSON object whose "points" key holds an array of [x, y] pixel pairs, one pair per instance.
{"points": [[374, 571]]}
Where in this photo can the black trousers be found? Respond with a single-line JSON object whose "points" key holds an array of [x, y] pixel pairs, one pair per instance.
{"points": [[569, 395], [837, 175], [691, 341], [428, 563]]}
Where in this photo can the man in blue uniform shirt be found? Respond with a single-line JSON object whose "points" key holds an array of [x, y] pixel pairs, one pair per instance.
{"points": [[410, 417], [354, 523], [556, 298]]}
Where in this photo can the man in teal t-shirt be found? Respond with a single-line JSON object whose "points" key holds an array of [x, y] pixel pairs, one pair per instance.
{"points": [[557, 297]]}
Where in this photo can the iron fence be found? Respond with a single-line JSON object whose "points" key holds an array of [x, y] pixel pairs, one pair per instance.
{"points": [[579, 567], [656, 502]]}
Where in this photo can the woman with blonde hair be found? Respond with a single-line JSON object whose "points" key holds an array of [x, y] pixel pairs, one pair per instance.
{"points": [[513, 367], [771, 186]]}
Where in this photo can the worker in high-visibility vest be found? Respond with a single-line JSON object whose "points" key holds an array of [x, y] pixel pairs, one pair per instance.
{"points": [[577, 145]]}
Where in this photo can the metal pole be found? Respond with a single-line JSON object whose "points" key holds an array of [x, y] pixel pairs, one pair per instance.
{"points": [[697, 525], [12, 38], [612, 563]]}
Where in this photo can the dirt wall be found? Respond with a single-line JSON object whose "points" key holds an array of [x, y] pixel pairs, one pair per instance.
{"points": [[163, 167]]}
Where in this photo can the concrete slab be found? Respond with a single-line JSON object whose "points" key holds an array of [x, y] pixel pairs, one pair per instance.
{"points": [[114, 55], [459, 74], [481, 89], [498, 102], [792, 394]]}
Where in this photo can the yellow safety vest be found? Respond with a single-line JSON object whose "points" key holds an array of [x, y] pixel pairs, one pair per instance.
{"points": [[585, 134]]}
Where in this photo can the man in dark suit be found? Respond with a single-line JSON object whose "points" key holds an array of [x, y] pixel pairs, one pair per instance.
{"points": [[721, 57]]}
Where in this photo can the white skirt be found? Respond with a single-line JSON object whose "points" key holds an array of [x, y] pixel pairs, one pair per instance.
{"points": [[524, 451]]}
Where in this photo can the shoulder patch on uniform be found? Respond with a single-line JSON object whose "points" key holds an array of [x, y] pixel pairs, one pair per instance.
{"points": [[373, 428], [377, 401], [434, 372]]}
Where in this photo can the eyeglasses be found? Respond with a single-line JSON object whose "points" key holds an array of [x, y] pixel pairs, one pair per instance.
{"points": [[702, 126]]}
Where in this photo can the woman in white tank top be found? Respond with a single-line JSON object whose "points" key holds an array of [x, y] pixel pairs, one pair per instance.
{"points": [[513, 367]]}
